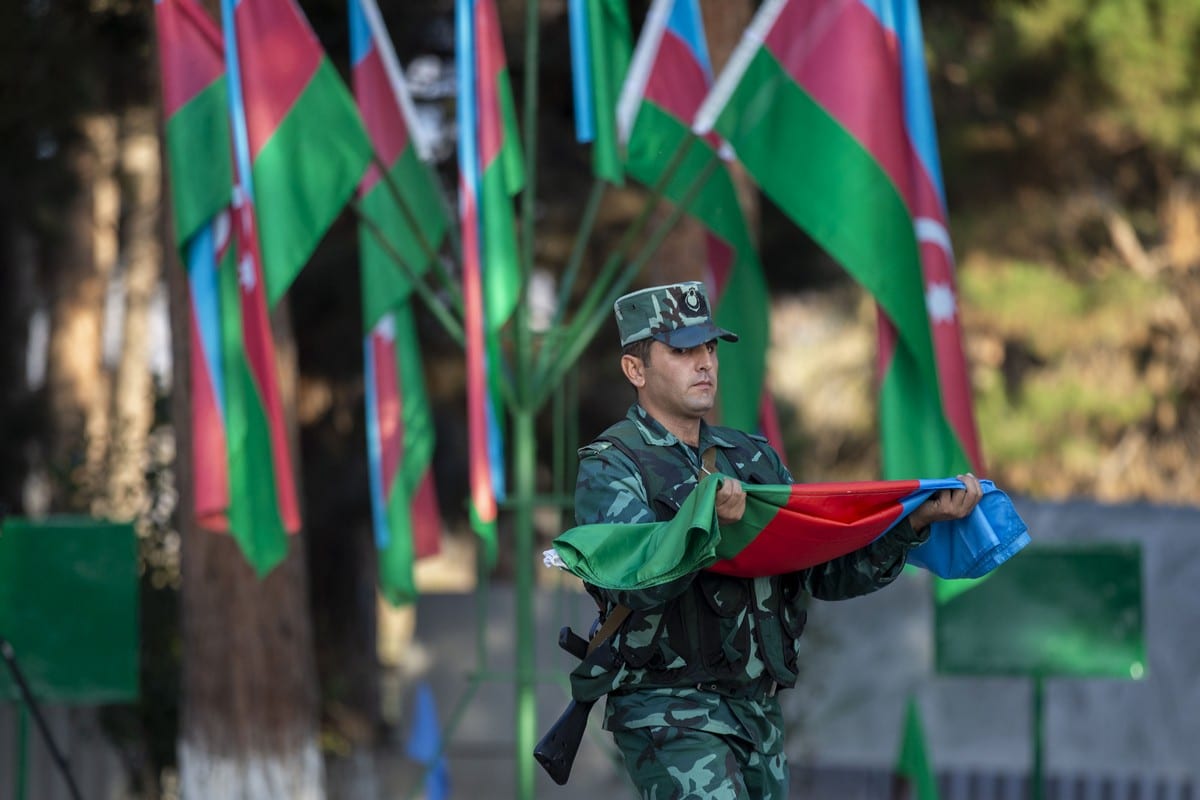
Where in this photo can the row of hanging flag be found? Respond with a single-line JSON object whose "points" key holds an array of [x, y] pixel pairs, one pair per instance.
{"points": [[825, 103]]}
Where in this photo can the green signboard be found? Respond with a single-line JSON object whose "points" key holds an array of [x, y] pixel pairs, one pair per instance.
{"points": [[1057, 610], [68, 607]]}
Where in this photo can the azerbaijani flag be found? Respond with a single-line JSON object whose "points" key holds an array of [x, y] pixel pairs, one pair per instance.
{"points": [[400, 431], [490, 172], [295, 121], [405, 203], [263, 505], [600, 54], [200, 165], [668, 79], [827, 105], [400, 438], [789, 528]]}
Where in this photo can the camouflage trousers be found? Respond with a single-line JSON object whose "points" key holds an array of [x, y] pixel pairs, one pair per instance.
{"points": [[669, 763]]}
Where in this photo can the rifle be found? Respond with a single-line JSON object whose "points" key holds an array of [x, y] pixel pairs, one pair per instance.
{"points": [[557, 749]]}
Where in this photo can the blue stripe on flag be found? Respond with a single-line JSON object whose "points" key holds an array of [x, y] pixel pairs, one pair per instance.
{"points": [[202, 280], [379, 517], [237, 109], [581, 71], [686, 23], [360, 34]]}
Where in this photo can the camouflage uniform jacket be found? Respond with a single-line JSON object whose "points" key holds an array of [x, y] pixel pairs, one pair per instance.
{"points": [[705, 651]]}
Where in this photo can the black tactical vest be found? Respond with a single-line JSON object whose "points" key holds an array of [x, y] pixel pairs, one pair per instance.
{"points": [[703, 636]]}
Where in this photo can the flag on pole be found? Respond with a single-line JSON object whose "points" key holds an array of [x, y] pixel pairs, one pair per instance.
{"points": [[405, 207], [263, 503], [786, 528], [912, 762], [827, 105], [400, 451], [668, 79], [600, 54], [405, 202], [490, 173], [200, 166], [237, 417], [295, 126]]}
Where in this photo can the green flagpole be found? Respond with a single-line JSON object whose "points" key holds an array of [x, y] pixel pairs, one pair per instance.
{"points": [[524, 435]]}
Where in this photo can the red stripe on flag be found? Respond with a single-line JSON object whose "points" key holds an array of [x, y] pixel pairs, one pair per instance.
{"points": [[720, 264], [426, 519], [381, 115], [823, 522], [278, 55], [479, 467], [676, 82], [388, 407], [260, 355], [768, 418], [211, 465], [191, 52], [489, 64], [851, 67]]}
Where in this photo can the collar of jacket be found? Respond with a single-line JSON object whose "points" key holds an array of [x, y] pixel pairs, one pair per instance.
{"points": [[654, 433]]}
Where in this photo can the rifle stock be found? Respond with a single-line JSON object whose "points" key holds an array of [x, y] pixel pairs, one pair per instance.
{"points": [[557, 749]]}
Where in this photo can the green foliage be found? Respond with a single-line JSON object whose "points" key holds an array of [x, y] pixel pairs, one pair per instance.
{"points": [[1142, 56], [1064, 379], [1052, 313]]}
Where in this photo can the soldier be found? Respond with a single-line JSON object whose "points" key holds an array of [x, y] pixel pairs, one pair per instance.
{"points": [[692, 673]]}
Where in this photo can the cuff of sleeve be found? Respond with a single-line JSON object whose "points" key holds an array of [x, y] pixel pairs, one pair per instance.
{"points": [[894, 546]]}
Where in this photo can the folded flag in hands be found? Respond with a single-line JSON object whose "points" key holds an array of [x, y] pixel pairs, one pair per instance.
{"points": [[789, 528]]}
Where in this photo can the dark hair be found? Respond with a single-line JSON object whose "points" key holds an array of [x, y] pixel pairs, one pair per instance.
{"points": [[639, 349]]}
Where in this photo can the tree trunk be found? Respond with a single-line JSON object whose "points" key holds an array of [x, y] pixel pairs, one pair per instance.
{"points": [[18, 409], [124, 493], [249, 706], [249, 687], [79, 261], [248, 728]]}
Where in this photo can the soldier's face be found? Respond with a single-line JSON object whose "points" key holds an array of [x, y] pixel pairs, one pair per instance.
{"points": [[679, 382]]}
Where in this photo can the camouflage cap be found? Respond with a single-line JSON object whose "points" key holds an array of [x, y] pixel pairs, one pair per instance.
{"points": [[676, 314]]}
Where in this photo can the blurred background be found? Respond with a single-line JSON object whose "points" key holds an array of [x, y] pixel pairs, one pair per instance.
{"points": [[1070, 138]]}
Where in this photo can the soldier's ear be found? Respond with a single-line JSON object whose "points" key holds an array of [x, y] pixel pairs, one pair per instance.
{"points": [[634, 369]]}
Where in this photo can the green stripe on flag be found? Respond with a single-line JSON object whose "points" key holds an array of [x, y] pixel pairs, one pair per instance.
{"points": [[510, 149], [611, 49], [825, 181], [389, 283], [501, 265], [200, 160], [254, 517], [397, 581], [917, 438], [417, 413], [305, 174]]}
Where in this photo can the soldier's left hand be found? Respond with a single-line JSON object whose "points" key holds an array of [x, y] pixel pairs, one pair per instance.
{"points": [[948, 504], [731, 501]]}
